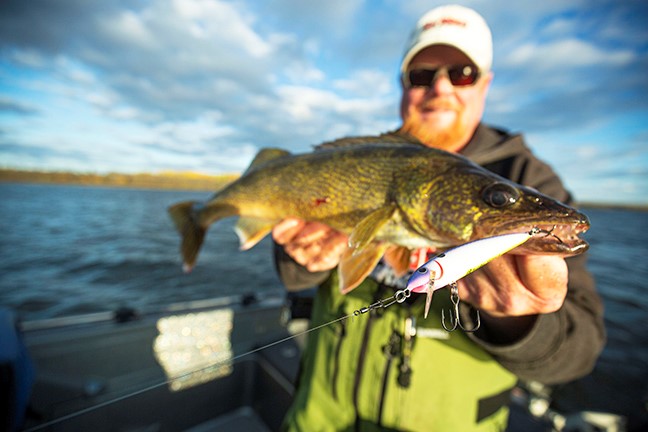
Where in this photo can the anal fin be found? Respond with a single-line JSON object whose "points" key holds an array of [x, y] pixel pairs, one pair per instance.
{"points": [[398, 258], [251, 231]]}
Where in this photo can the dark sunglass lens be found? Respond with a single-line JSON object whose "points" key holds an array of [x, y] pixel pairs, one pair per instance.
{"points": [[463, 75], [421, 77]]}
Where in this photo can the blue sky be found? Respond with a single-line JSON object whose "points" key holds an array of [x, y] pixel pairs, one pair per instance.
{"points": [[156, 85]]}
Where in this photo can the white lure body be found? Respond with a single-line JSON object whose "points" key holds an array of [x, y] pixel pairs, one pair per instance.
{"points": [[454, 264]]}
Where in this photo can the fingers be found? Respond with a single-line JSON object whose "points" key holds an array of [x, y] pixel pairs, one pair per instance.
{"points": [[515, 285], [287, 229], [313, 232], [331, 250], [314, 245], [546, 276]]}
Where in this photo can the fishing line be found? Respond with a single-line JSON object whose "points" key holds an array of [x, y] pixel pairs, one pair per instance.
{"points": [[170, 380], [398, 297]]}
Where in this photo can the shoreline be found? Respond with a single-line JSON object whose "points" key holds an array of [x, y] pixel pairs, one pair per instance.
{"points": [[173, 180], [165, 180]]}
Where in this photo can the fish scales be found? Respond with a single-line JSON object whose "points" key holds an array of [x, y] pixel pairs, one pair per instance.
{"points": [[318, 186]]}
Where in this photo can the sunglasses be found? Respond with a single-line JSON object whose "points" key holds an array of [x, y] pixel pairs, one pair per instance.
{"points": [[459, 75]]}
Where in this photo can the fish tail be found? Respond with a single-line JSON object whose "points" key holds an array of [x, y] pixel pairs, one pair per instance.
{"points": [[185, 218]]}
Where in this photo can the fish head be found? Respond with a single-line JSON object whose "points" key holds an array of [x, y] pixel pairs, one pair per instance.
{"points": [[513, 208], [478, 204]]}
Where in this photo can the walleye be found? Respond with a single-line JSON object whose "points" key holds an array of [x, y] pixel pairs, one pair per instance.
{"points": [[389, 195]]}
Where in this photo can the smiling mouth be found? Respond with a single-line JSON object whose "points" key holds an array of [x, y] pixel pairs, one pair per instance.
{"points": [[438, 108]]}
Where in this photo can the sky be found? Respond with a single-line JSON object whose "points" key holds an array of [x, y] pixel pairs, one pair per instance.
{"points": [[202, 85]]}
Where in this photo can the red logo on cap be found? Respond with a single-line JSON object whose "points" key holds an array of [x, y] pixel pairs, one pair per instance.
{"points": [[444, 21]]}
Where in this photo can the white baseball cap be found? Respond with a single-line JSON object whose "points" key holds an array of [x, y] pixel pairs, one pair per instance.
{"points": [[456, 26]]}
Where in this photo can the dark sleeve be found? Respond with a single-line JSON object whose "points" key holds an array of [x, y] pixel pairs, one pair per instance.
{"points": [[563, 345], [293, 275]]}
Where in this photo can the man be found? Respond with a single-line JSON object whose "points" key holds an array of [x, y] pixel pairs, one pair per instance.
{"points": [[390, 369]]}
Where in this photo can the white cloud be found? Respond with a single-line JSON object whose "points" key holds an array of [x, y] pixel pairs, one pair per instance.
{"points": [[124, 113], [366, 83], [565, 53], [190, 136], [29, 58], [11, 105], [101, 99], [321, 20], [128, 28], [307, 103], [215, 21], [559, 28], [303, 73], [587, 152]]}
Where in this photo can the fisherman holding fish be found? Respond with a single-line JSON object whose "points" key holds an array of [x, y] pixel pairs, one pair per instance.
{"points": [[541, 318], [361, 217]]}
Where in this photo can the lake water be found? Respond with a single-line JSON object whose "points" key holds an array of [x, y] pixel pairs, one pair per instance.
{"points": [[69, 250]]}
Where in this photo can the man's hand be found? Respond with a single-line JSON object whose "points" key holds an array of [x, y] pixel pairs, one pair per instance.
{"points": [[515, 285], [511, 290], [314, 245]]}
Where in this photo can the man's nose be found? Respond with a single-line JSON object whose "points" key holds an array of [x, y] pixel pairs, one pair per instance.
{"points": [[441, 84]]}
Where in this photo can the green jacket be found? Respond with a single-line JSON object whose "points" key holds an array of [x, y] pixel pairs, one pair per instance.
{"points": [[358, 369]]}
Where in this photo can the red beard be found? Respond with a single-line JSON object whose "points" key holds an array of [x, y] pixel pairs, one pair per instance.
{"points": [[451, 138]]}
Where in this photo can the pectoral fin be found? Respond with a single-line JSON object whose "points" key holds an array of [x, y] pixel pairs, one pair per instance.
{"points": [[398, 258], [365, 232], [355, 267], [250, 231]]}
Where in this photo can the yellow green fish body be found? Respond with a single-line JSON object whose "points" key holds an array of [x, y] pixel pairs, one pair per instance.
{"points": [[381, 194]]}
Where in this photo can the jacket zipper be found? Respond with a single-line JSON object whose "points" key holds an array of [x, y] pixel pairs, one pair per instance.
{"points": [[405, 368], [398, 344], [363, 352], [390, 350], [336, 365]]}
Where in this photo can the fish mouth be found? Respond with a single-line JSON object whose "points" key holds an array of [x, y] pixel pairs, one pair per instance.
{"points": [[552, 238]]}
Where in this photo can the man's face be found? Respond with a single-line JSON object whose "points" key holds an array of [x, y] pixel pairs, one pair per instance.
{"points": [[442, 115]]}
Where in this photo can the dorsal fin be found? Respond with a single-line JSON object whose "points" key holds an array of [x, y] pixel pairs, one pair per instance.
{"points": [[266, 155], [391, 138]]}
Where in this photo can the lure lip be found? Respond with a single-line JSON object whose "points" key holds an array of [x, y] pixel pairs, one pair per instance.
{"points": [[423, 278], [420, 279]]}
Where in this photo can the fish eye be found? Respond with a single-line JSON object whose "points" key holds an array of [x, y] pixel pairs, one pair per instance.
{"points": [[500, 195], [422, 270]]}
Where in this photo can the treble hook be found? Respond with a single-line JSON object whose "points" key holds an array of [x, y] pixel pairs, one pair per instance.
{"points": [[455, 318]]}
